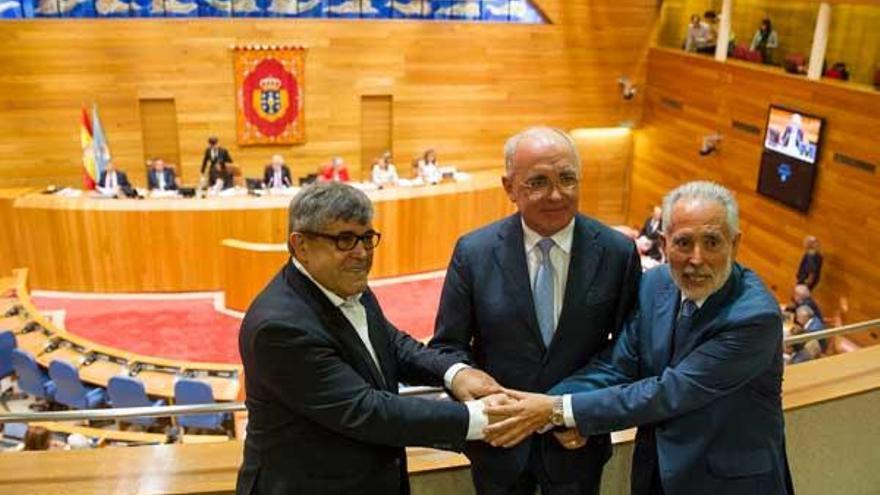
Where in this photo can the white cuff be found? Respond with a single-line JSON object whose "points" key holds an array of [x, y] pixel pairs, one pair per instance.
{"points": [[451, 372], [477, 419], [567, 411]]}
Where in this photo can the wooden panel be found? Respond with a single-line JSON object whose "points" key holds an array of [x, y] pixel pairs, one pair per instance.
{"points": [[159, 128], [376, 125], [92, 244], [462, 88], [845, 201], [606, 156]]}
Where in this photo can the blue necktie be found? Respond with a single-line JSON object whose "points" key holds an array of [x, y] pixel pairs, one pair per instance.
{"points": [[543, 292], [684, 323]]}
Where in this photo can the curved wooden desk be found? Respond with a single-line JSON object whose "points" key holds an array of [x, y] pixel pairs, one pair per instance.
{"points": [[173, 244], [98, 363]]}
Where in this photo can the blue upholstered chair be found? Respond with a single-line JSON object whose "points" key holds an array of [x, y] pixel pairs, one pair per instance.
{"points": [[7, 344], [70, 390], [31, 379], [125, 391], [188, 392]]}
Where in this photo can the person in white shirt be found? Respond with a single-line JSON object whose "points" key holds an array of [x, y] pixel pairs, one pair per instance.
{"points": [[429, 169], [384, 172]]}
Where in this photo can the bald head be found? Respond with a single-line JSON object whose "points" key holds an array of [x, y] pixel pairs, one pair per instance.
{"points": [[539, 137]]}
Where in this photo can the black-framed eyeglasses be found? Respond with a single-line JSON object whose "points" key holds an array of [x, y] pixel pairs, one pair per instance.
{"points": [[347, 241]]}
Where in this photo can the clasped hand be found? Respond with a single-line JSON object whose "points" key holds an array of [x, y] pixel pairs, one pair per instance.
{"points": [[513, 415]]}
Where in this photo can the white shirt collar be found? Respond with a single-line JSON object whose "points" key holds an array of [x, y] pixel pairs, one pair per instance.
{"points": [[698, 302], [332, 296], [563, 238]]}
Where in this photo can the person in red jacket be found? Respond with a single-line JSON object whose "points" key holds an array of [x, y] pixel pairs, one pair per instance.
{"points": [[335, 171]]}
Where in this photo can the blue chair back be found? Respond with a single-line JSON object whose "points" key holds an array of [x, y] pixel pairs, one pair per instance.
{"points": [[187, 392], [31, 379], [7, 344], [126, 391], [15, 431], [70, 390]]}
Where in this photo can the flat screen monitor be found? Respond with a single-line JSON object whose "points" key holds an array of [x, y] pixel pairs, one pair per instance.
{"points": [[793, 134], [791, 152]]}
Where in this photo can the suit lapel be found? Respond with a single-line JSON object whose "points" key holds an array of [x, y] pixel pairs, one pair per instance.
{"points": [[380, 339], [338, 327], [586, 254], [707, 313], [665, 304], [510, 255]]}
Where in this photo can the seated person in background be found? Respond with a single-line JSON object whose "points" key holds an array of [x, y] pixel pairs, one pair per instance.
{"points": [[838, 71], [335, 171], [37, 438], [429, 170], [806, 318], [384, 172], [697, 34], [161, 177], [276, 175], [765, 41], [804, 351], [811, 263], [800, 296], [220, 177], [651, 231], [113, 180]]}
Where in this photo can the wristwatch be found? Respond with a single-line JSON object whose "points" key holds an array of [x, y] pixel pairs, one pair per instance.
{"points": [[557, 416]]}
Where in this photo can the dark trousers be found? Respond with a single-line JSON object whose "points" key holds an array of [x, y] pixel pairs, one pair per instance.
{"points": [[533, 478]]}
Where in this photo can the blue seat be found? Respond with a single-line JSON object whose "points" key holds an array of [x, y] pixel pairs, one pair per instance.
{"points": [[7, 344], [188, 392], [125, 391], [14, 431], [31, 379], [70, 390]]}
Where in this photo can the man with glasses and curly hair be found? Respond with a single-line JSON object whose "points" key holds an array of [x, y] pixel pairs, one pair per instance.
{"points": [[530, 299], [322, 366]]}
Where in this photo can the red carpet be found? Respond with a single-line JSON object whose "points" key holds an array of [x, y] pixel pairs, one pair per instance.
{"points": [[191, 330]]}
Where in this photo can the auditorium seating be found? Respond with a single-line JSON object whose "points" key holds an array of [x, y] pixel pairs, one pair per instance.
{"points": [[7, 344], [31, 379], [187, 392], [70, 390], [125, 391]]}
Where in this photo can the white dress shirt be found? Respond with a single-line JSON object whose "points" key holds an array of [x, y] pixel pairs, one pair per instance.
{"points": [[110, 180], [356, 315], [560, 258], [383, 176], [160, 179]]}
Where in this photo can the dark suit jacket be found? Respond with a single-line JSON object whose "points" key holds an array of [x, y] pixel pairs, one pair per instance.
{"points": [[121, 179], [269, 174], [323, 419], [810, 270], [487, 300], [170, 179], [207, 161], [715, 404]]}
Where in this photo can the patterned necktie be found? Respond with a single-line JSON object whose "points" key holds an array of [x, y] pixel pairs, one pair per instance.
{"points": [[684, 323], [543, 292]]}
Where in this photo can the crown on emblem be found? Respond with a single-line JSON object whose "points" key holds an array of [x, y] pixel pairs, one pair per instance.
{"points": [[270, 83]]}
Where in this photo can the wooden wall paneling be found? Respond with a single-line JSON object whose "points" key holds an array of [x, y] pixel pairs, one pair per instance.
{"points": [[459, 87], [159, 130], [844, 210], [606, 156], [376, 126]]}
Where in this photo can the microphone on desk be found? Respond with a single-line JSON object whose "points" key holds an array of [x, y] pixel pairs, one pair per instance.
{"points": [[14, 310], [30, 327]]}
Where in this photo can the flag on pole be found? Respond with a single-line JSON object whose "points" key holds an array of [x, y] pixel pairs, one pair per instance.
{"points": [[99, 141], [90, 177]]}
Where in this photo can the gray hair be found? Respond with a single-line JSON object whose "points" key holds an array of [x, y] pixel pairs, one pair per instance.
{"points": [[702, 191], [804, 311], [323, 203], [540, 132]]}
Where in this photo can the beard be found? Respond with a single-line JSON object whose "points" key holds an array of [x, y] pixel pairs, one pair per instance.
{"points": [[703, 291]]}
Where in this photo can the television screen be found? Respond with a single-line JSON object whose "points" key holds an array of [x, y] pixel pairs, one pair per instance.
{"points": [[793, 134]]}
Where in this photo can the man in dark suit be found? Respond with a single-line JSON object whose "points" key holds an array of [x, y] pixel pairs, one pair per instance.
{"points": [[160, 177], [531, 298], [651, 231], [214, 154], [698, 368], [112, 179], [322, 366], [276, 174]]}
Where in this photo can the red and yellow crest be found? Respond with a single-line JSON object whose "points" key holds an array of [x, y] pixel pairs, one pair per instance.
{"points": [[269, 95]]}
